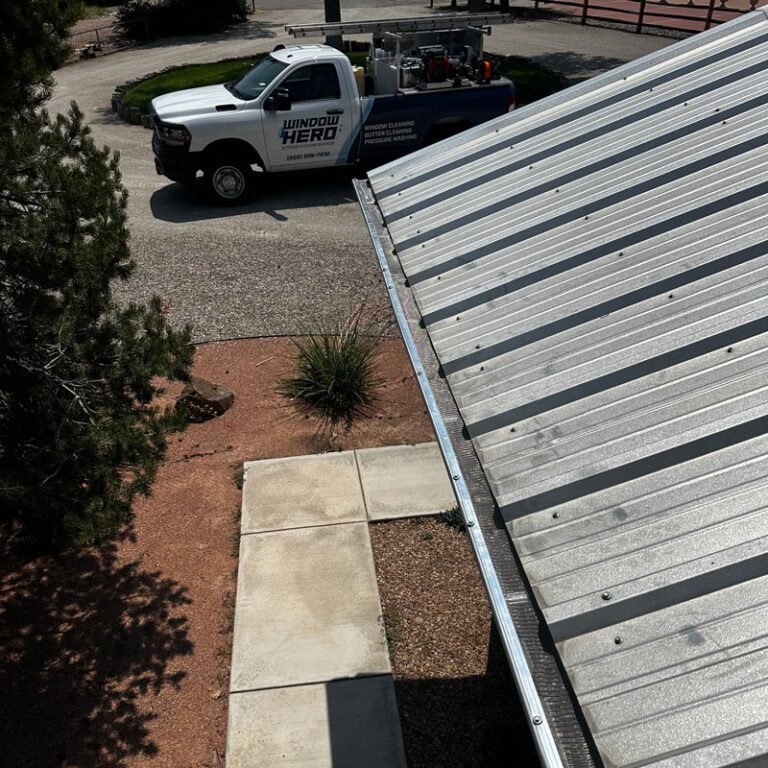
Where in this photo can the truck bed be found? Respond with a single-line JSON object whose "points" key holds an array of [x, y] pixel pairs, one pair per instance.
{"points": [[412, 117]]}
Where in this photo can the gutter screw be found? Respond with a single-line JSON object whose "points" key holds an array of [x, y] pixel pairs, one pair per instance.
{"points": [[606, 595], [537, 720]]}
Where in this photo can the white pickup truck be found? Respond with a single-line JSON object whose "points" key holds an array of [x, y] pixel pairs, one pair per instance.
{"points": [[306, 106]]}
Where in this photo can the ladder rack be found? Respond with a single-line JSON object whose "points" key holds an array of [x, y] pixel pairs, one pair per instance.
{"points": [[445, 21]]}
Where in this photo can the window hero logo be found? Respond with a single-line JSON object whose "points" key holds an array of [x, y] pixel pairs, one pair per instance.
{"points": [[309, 129]]}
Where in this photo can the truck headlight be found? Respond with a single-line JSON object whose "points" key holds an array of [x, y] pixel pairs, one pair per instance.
{"points": [[175, 135]]}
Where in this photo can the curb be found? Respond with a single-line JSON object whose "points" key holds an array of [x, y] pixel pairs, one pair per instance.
{"points": [[134, 115]]}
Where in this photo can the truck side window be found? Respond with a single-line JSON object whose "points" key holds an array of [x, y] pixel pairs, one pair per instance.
{"points": [[317, 81]]}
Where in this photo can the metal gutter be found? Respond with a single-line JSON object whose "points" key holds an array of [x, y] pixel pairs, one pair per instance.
{"points": [[538, 721]]}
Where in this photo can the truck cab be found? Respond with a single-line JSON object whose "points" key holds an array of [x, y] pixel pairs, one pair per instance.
{"points": [[294, 110]]}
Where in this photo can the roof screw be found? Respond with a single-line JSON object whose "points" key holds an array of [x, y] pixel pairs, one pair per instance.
{"points": [[555, 515], [537, 720], [617, 640], [606, 595], [482, 367], [513, 429], [477, 346], [730, 349], [671, 296]]}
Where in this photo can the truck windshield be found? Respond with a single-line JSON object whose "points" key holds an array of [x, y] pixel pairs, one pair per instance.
{"points": [[255, 80]]}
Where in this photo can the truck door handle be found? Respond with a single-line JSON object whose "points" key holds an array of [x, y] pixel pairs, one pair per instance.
{"points": [[334, 111]]}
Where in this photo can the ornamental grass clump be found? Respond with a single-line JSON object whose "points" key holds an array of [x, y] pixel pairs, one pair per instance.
{"points": [[335, 375]]}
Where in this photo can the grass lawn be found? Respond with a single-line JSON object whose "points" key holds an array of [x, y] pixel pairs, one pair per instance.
{"points": [[191, 76], [532, 81]]}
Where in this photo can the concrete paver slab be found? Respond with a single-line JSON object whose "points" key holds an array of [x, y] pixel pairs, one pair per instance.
{"points": [[404, 481], [307, 608], [301, 491], [340, 724]]}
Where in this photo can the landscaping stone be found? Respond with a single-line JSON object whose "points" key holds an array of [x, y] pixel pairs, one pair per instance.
{"points": [[205, 400]]}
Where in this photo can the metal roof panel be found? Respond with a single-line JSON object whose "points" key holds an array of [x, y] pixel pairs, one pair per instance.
{"points": [[592, 272]]}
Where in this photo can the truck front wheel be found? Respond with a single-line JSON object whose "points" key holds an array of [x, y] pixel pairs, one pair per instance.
{"points": [[228, 180]]}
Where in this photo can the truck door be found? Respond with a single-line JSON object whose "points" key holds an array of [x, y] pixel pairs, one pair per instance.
{"points": [[316, 130]]}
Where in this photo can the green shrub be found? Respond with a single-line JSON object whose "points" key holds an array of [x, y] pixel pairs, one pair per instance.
{"points": [[142, 19], [104, 4], [94, 10], [533, 81], [335, 378], [453, 518]]}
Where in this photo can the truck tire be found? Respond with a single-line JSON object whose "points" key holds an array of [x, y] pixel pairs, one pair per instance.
{"points": [[228, 180]]}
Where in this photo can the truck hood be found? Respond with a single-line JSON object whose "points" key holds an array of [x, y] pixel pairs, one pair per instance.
{"points": [[172, 107]]}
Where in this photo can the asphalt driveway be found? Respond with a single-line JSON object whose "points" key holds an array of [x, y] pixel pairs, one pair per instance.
{"points": [[298, 255]]}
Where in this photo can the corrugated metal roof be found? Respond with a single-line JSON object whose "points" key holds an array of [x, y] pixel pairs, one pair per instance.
{"points": [[593, 275]]}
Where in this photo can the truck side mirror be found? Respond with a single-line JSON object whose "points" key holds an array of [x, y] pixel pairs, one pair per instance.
{"points": [[279, 101]]}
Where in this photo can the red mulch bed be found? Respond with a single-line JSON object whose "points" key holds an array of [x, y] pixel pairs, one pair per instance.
{"points": [[119, 656]]}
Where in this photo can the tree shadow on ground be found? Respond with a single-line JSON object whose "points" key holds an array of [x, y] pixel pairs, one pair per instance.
{"points": [[477, 720], [576, 67], [83, 637]]}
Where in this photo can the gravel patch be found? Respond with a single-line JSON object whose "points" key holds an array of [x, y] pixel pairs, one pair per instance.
{"points": [[457, 701]]}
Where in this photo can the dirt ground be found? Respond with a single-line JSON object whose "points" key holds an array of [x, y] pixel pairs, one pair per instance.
{"points": [[97, 31], [457, 701], [118, 657]]}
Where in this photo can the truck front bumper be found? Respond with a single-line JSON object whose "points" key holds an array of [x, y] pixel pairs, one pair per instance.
{"points": [[176, 163]]}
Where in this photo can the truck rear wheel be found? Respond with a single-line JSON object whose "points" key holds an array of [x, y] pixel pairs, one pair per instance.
{"points": [[228, 180]]}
